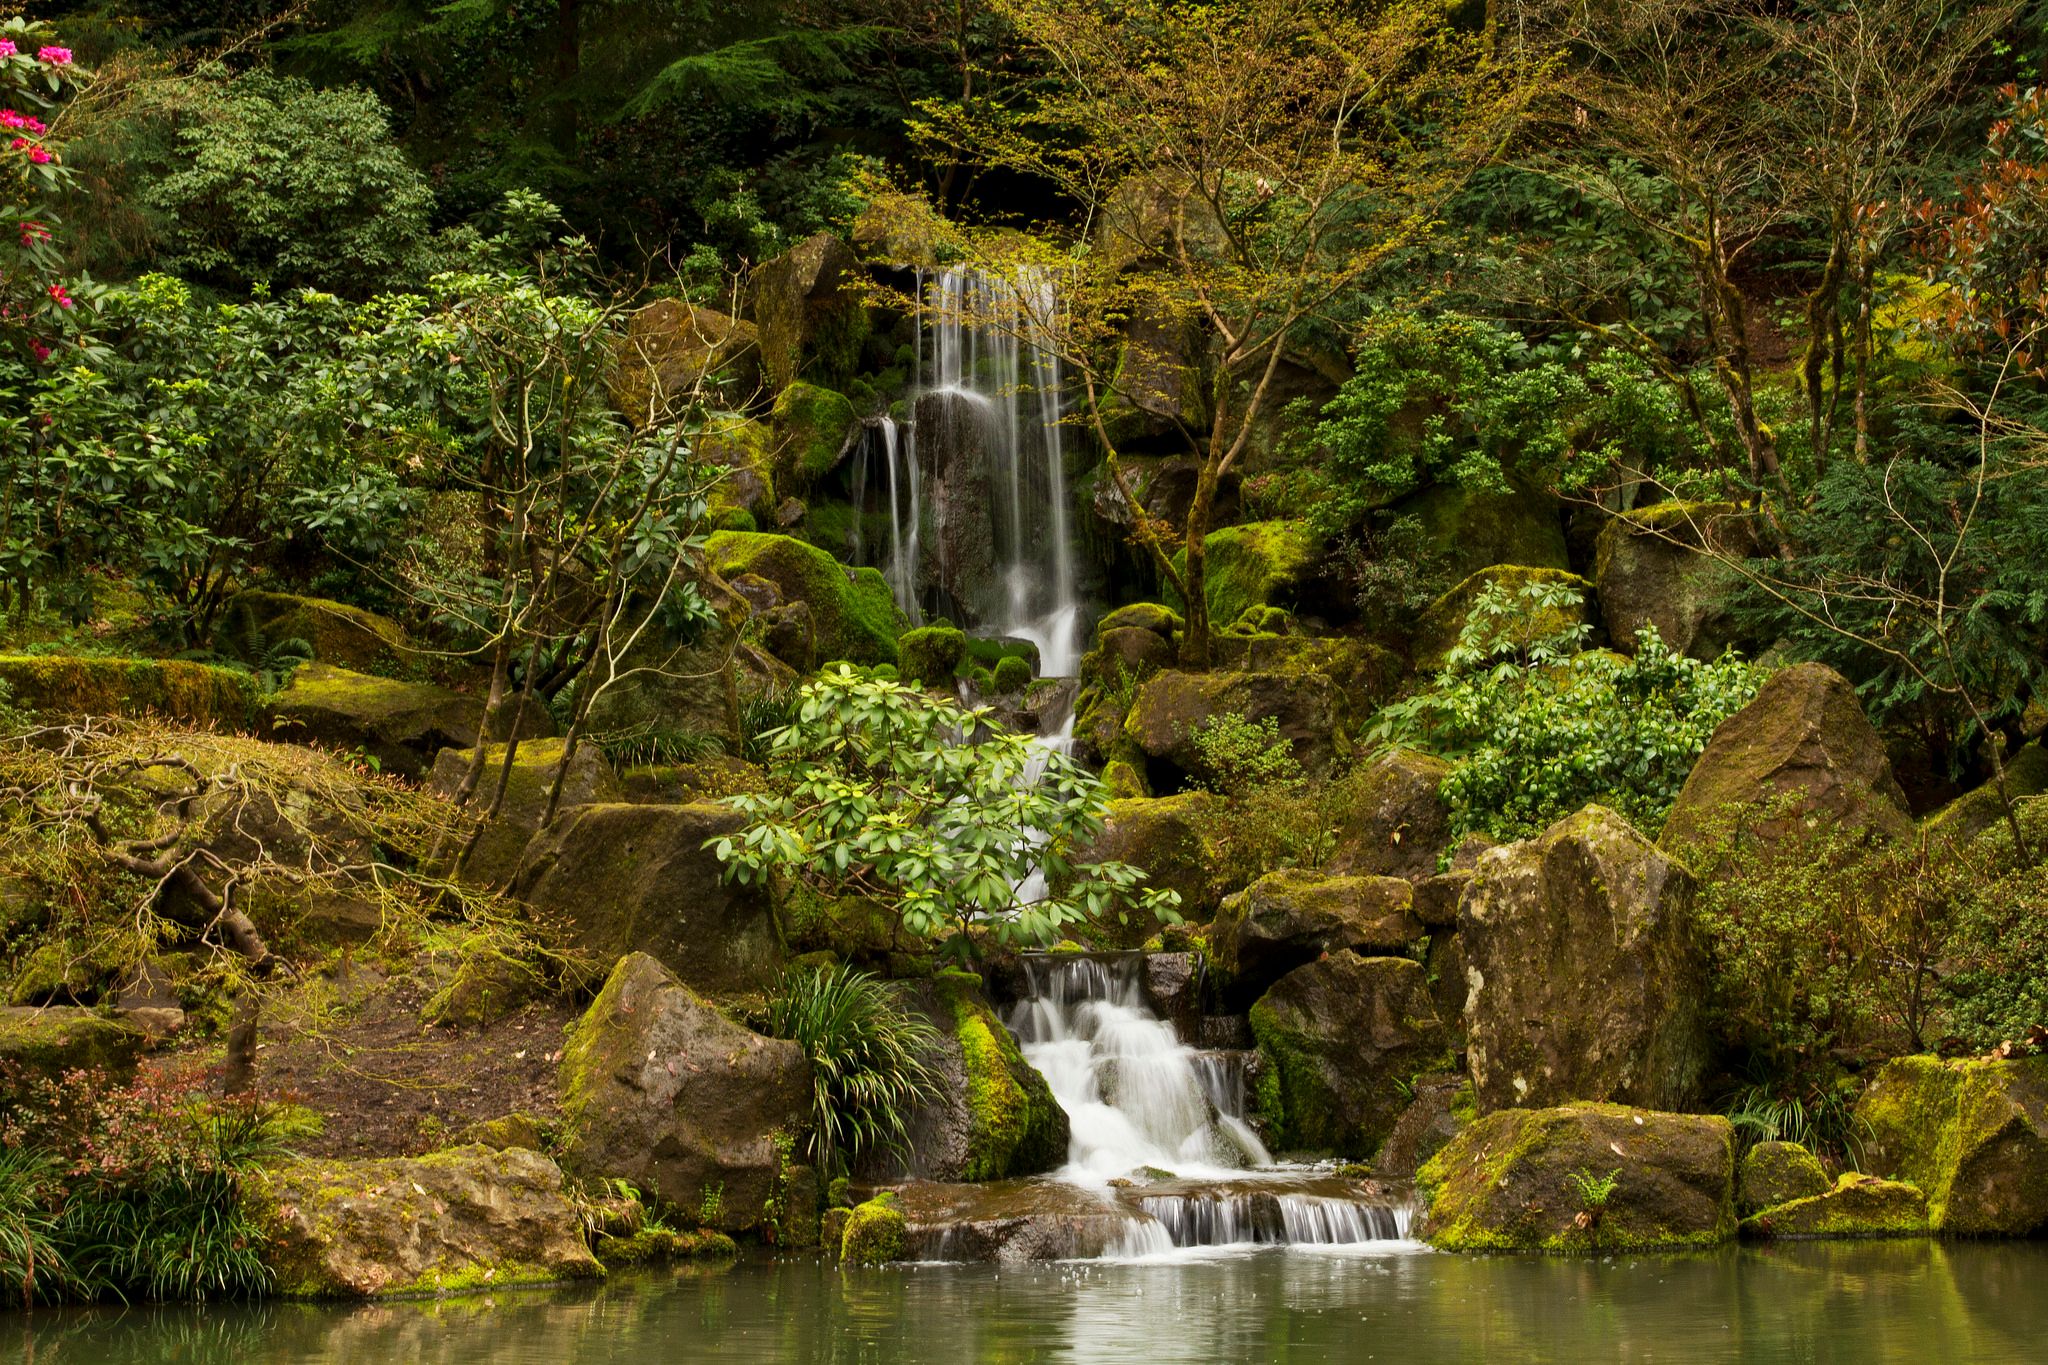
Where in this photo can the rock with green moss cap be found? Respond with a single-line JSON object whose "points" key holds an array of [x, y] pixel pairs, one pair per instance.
{"points": [[1126, 652], [1155, 617], [1438, 630], [68, 685], [993, 1116], [1012, 675], [1338, 1040], [808, 311], [1537, 1180], [1775, 1173], [661, 1089], [1955, 826], [1661, 566], [931, 655], [49, 1040], [402, 725], [1466, 528], [495, 857], [1973, 1135], [676, 352], [518, 1129], [253, 622], [457, 1221], [1585, 972], [1311, 711], [1441, 1108], [631, 878], [875, 1232], [1293, 916], [1398, 825], [743, 450], [1167, 838], [853, 609], [1858, 1206], [1260, 563], [814, 429], [1802, 750]]}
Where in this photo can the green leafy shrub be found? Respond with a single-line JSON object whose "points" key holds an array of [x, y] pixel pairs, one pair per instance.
{"points": [[1536, 728], [887, 791], [868, 1061], [1271, 815], [1238, 755]]}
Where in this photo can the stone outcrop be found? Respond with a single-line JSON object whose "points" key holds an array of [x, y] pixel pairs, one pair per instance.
{"points": [[1173, 706], [1774, 1173], [1441, 625], [1971, 1135], [661, 1089], [465, 1219], [1800, 750], [1538, 1180], [1292, 917], [402, 725], [852, 610], [1586, 982], [1164, 837], [1338, 1038], [68, 685], [339, 633], [675, 350], [628, 878], [1657, 566], [495, 858], [49, 1040], [1398, 825], [1858, 1206], [809, 317]]}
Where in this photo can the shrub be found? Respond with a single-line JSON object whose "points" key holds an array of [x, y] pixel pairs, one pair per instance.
{"points": [[868, 1061]]}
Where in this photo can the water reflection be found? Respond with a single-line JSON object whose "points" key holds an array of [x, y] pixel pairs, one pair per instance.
{"points": [[1866, 1304]]}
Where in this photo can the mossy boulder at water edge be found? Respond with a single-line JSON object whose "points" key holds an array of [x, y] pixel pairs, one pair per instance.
{"points": [[1260, 563], [1972, 1135], [1857, 1206], [461, 1220], [253, 622], [402, 725], [661, 1089], [1775, 1173], [49, 1040], [874, 1232], [1539, 1180], [68, 685], [1586, 978], [931, 655], [853, 610], [1168, 838], [1340, 1038], [1291, 917]]}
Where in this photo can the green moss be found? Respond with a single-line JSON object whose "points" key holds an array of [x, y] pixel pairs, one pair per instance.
{"points": [[932, 654], [1014, 1123], [1261, 563], [1965, 1134], [339, 633], [1123, 781], [654, 1244], [811, 428], [854, 610], [1012, 675], [50, 1041], [875, 1232], [61, 684], [1152, 616], [1858, 1206], [990, 653]]}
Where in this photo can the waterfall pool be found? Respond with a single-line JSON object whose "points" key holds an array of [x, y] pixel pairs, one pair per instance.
{"points": [[1866, 1303]]}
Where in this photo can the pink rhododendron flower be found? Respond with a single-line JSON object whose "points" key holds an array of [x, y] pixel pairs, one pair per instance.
{"points": [[42, 351], [55, 56], [40, 155], [7, 48], [63, 297]]}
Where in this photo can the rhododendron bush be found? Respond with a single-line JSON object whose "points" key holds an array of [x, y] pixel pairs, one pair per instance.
{"points": [[37, 78]]}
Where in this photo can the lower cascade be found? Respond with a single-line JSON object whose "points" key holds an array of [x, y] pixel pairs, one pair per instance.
{"points": [[1162, 1157]]}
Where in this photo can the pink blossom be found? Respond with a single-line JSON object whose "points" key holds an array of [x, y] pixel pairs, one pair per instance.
{"points": [[55, 56], [40, 155], [33, 232], [7, 48], [42, 351], [62, 297]]}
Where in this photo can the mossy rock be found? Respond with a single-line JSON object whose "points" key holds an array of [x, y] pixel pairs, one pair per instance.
{"points": [[1438, 630], [1260, 563], [809, 313], [1293, 916], [996, 1117], [875, 1233], [1170, 839], [457, 1221], [1012, 675], [1311, 711], [1857, 1206], [1153, 616], [402, 725], [1527, 1180], [253, 622], [1957, 824], [1774, 1173], [744, 450], [1122, 781], [494, 858], [487, 985], [1398, 825], [73, 685], [813, 429], [1656, 566], [1466, 528], [49, 1040], [1972, 1135], [673, 350], [657, 1245], [713, 777], [516, 1129], [853, 609], [931, 655]]}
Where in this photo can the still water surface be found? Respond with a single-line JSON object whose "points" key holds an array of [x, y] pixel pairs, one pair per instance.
{"points": [[1863, 1304]]}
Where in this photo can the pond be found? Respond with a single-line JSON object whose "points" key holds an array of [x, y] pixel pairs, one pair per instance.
{"points": [[1864, 1303]]}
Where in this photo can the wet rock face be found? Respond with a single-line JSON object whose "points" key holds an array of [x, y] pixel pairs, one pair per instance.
{"points": [[1585, 979], [1399, 826], [1292, 917], [662, 1089], [464, 1219], [630, 878], [1439, 1112], [1338, 1038], [1775, 1173], [953, 445], [1972, 1135], [1536, 1180], [1804, 748]]}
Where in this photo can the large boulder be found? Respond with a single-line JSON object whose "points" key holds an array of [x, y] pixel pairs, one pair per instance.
{"points": [[49, 1040], [675, 351], [993, 1116], [1257, 564], [954, 446], [853, 610], [1444, 622], [402, 725], [1167, 838], [1157, 389], [1291, 917], [1971, 1135], [1340, 1038], [1586, 980], [1959, 823], [465, 1219], [1439, 1112], [255, 622], [494, 858], [1532, 1180], [1172, 706], [808, 313], [1661, 566], [69, 685], [814, 428], [628, 878], [661, 1089], [1801, 750], [1465, 528], [1856, 1206], [742, 450], [1398, 826], [1774, 1173]]}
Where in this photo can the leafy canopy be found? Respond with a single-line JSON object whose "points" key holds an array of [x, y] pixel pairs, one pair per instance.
{"points": [[883, 790]]}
